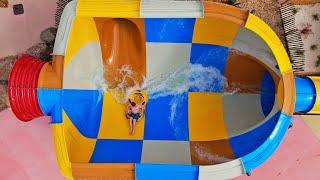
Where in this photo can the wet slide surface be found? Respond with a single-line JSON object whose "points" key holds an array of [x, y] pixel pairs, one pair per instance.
{"points": [[209, 102]]}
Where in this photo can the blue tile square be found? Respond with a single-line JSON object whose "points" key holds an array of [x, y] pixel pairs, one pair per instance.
{"points": [[84, 108], [164, 171], [50, 103], [246, 143], [267, 94], [175, 30], [209, 55], [167, 118], [117, 151], [207, 68]]}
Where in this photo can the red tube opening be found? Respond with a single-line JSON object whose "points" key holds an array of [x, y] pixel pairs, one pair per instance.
{"points": [[22, 88]]}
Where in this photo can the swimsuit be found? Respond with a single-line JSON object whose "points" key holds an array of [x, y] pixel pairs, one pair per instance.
{"points": [[134, 116]]}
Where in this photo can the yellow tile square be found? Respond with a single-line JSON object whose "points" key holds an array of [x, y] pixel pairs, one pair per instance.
{"points": [[114, 124], [214, 31], [75, 141], [206, 121]]}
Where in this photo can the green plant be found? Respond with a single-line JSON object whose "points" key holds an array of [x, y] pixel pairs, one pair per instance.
{"points": [[318, 61], [315, 17], [314, 47]]}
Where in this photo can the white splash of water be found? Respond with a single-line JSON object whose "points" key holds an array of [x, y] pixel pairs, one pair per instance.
{"points": [[175, 83], [188, 76], [126, 74], [205, 79], [122, 76], [210, 157], [99, 80], [236, 87], [175, 103], [231, 92], [172, 83], [173, 109]]}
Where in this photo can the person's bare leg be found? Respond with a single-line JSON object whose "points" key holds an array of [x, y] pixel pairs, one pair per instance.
{"points": [[131, 125], [134, 126]]}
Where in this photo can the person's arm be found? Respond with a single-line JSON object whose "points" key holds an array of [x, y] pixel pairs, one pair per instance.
{"points": [[143, 110], [128, 109]]}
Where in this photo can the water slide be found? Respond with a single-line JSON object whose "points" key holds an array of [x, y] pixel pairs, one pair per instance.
{"points": [[218, 84]]}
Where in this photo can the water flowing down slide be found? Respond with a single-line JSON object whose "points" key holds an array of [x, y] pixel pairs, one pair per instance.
{"points": [[162, 90]]}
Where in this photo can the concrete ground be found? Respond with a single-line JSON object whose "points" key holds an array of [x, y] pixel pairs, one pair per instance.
{"points": [[19, 32], [298, 157]]}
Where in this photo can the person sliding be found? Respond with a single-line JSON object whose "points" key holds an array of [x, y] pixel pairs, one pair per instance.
{"points": [[135, 109]]}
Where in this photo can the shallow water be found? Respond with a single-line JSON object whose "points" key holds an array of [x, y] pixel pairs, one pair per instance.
{"points": [[194, 77], [179, 81], [174, 83]]}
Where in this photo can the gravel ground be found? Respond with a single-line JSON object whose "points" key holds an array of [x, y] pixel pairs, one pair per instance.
{"points": [[5, 67], [4, 103], [268, 10], [299, 1]]}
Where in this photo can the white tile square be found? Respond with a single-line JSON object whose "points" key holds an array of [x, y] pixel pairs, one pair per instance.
{"points": [[166, 57], [242, 112], [166, 152]]}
